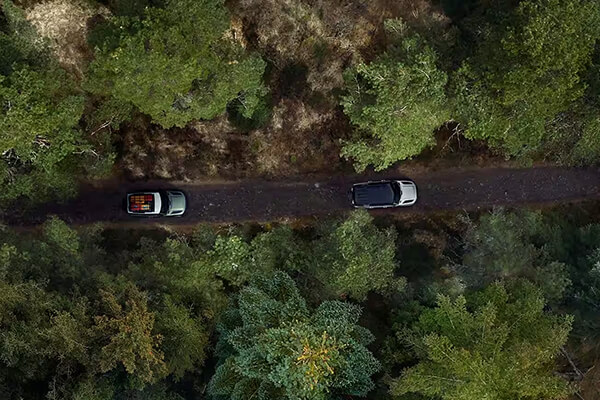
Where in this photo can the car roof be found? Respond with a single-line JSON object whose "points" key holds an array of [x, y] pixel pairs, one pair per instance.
{"points": [[143, 203], [374, 193]]}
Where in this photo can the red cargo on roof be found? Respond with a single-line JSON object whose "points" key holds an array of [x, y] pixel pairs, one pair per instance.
{"points": [[141, 203]]}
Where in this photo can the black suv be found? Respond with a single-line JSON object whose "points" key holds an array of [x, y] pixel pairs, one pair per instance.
{"points": [[384, 194]]}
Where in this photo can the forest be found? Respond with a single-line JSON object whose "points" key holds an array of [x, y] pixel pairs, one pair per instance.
{"points": [[496, 304], [201, 90], [501, 305]]}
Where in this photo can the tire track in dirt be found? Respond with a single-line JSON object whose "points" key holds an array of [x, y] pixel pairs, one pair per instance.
{"points": [[269, 200]]}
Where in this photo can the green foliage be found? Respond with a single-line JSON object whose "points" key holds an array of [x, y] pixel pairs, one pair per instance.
{"points": [[132, 7], [93, 325], [396, 101], [273, 347], [90, 390], [574, 136], [499, 345], [232, 259], [586, 295], [42, 148], [505, 246], [22, 328], [58, 234], [126, 335], [279, 248], [19, 41], [346, 259], [181, 271], [553, 251], [357, 257], [108, 114], [525, 72], [104, 389], [98, 314], [249, 116], [587, 148], [579, 248], [185, 337], [592, 79], [174, 64], [39, 131]]}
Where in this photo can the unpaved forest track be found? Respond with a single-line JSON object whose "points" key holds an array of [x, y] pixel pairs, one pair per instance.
{"points": [[269, 200]]}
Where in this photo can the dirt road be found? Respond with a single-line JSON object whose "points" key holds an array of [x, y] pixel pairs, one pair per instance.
{"points": [[269, 200]]}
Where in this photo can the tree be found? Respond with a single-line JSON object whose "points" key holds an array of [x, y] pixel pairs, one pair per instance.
{"points": [[580, 250], [499, 345], [358, 257], [188, 296], [83, 319], [509, 245], [280, 248], [180, 270], [105, 389], [39, 133], [127, 335], [273, 347], [38, 328], [42, 149], [24, 351], [515, 84], [174, 63], [587, 295], [231, 259], [574, 136], [237, 260], [19, 41], [185, 337], [396, 101]]}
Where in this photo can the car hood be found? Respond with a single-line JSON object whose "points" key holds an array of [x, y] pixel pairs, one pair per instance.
{"points": [[177, 203], [409, 192]]}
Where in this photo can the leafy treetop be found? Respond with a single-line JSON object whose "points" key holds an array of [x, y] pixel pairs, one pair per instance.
{"points": [[396, 101], [175, 63], [273, 347], [500, 344], [526, 71]]}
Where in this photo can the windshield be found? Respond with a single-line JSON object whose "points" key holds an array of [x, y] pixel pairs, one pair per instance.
{"points": [[166, 202], [397, 192]]}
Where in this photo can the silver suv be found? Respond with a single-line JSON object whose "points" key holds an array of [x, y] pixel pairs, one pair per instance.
{"points": [[169, 203]]}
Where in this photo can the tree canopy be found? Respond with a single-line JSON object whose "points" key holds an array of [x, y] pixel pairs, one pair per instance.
{"points": [[103, 313], [273, 347], [500, 344], [70, 322], [526, 71], [396, 101], [504, 246], [357, 257], [175, 63], [42, 148]]}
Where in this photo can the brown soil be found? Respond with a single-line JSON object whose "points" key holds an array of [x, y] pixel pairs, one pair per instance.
{"points": [[260, 200], [590, 385], [64, 23]]}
